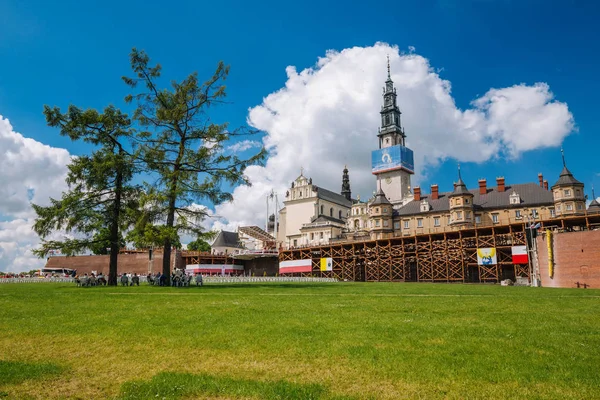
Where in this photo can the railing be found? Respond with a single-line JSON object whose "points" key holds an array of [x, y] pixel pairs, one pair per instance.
{"points": [[35, 280], [205, 279]]}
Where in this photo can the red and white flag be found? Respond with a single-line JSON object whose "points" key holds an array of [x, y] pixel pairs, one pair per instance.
{"points": [[519, 255]]}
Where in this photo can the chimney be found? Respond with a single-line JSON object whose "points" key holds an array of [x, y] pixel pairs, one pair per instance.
{"points": [[541, 179], [482, 186], [500, 183], [546, 185], [434, 192], [417, 191]]}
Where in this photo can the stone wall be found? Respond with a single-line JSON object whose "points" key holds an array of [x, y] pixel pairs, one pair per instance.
{"points": [[576, 259], [127, 263]]}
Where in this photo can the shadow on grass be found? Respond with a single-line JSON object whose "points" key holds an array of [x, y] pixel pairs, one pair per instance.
{"points": [[16, 372], [174, 385]]}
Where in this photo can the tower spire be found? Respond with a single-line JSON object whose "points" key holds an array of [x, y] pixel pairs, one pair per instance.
{"points": [[346, 184], [459, 177], [562, 152], [388, 66]]}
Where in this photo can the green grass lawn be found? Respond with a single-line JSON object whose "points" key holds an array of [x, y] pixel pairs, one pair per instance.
{"points": [[299, 341]]}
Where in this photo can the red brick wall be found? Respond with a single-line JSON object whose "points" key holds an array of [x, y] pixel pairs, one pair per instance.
{"points": [[576, 259], [127, 263]]}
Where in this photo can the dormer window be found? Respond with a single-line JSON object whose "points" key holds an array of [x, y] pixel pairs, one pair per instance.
{"points": [[425, 206], [515, 198]]}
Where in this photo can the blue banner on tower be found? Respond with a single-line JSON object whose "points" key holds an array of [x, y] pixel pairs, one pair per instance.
{"points": [[391, 158]]}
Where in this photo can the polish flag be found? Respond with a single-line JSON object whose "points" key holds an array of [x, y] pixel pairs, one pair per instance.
{"points": [[519, 255]]}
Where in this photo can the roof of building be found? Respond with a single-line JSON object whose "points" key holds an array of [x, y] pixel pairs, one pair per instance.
{"points": [[333, 197], [379, 199], [257, 233], [314, 222], [227, 239], [567, 179], [594, 207], [530, 194], [460, 189]]}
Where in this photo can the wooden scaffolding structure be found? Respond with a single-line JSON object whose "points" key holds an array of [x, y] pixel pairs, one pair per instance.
{"points": [[436, 257]]}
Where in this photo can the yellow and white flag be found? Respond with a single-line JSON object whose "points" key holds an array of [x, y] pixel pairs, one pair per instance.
{"points": [[326, 264]]}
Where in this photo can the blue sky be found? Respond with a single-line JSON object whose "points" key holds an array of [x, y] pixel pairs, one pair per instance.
{"points": [[73, 52]]}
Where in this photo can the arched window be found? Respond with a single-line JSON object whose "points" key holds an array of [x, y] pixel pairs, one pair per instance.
{"points": [[331, 212], [356, 223]]}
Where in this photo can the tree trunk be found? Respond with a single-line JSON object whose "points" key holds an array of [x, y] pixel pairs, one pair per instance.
{"points": [[114, 231]]}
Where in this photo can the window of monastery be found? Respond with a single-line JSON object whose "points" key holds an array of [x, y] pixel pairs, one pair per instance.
{"points": [[312, 236], [495, 218], [466, 201], [377, 210], [321, 235], [295, 242], [300, 193], [552, 213], [376, 222], [449, 219], [406, 224], [458, 215], [578, 192], [579, 206], [419, 222], [357, 223], [458, 202], [477, 219], [518, 214], [340, 214], [331, 212], [385, 223], [567, 192], [436, 221], [468, 215], [558, 207], [321, 209], [385, 209], [569, 207], [534, 213], [396, 225]]}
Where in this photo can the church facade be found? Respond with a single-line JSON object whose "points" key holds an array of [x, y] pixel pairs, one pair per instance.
{"points": [[315, 216]]}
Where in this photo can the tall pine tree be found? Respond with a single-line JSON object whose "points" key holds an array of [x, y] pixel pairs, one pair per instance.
{"points": [[94, 209], [183, 148]]}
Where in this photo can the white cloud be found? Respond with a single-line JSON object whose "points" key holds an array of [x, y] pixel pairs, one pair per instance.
{"points": [[29, 172], [327, 116], [244, 145]]}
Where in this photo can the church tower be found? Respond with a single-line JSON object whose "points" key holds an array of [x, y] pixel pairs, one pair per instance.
{"points": [[346, 184], [393, 162]]}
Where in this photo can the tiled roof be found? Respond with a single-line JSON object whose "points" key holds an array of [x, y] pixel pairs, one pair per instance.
{"points": [[594, 207], [227, 239], [333, 197], [320, 219], [460, 188], [567, 178], [380, 198], [530, 193]]}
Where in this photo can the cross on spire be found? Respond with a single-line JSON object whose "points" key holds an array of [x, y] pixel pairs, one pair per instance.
{"points": [[459, 177], [562, 152]]}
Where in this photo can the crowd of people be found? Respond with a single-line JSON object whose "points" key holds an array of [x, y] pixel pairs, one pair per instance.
{"points": [[178, 278]]}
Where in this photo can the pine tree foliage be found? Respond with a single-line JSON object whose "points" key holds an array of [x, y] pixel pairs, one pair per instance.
{"points": [[99, 203], [183, 149]]}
